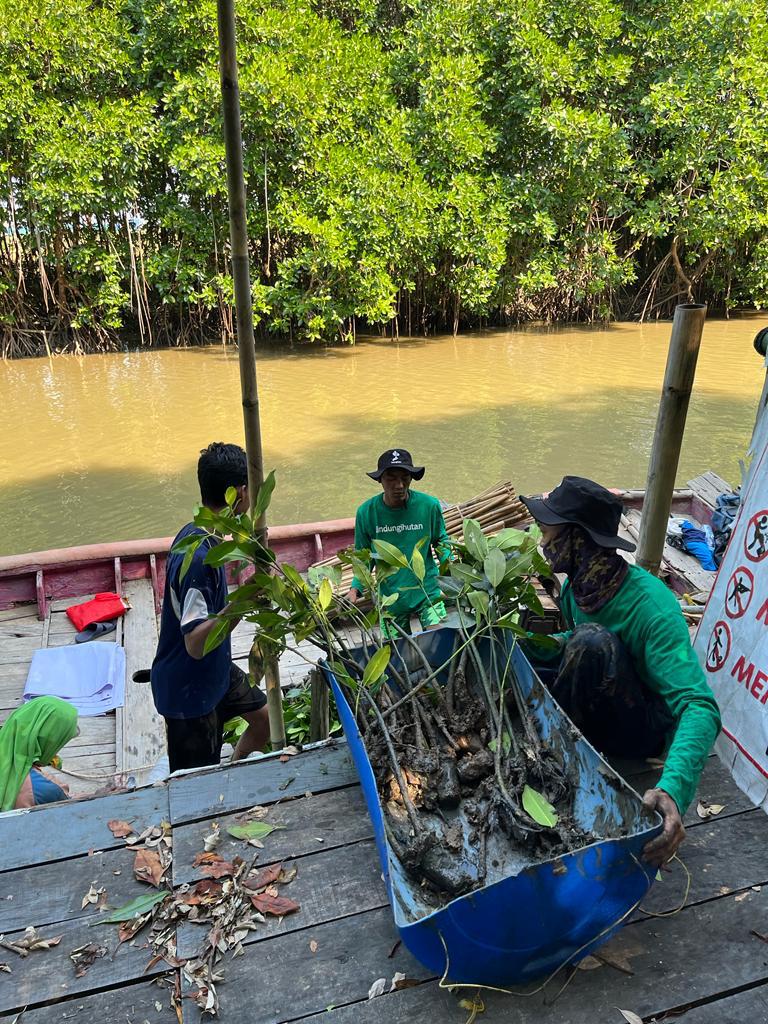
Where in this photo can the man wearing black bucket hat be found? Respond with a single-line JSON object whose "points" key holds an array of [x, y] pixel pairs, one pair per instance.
{"points": [[404, 518], [627, 674]]}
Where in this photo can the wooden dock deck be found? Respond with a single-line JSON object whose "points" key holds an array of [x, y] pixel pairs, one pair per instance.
{"points": [[707, 964]]}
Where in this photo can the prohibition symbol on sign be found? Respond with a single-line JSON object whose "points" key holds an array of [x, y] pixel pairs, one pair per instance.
{"points": [[756, 537], [738, 593], [719, 647]]}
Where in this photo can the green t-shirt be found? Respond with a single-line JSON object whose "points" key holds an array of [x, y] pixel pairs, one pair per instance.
{"points": [[404, 527], [646, 617]]}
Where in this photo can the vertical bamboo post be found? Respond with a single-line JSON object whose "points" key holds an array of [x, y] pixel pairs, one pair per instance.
{"points": [[668, 437], [241, 275], [319, 711]]}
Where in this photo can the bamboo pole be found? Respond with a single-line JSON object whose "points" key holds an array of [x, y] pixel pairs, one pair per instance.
{"points": [[241, 275], [668, 437]]}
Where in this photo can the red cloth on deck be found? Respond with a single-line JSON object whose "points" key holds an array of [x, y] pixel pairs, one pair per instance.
{"points": [[101, 608]]}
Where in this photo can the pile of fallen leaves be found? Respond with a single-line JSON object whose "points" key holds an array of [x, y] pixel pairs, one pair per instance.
{"points": [[233, 898]]}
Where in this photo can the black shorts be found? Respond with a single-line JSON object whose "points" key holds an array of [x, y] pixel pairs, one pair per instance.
{"points": [[195, 742]]}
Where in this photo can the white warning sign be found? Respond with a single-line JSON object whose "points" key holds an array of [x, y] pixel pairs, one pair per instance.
{"points": [[732, 640]]}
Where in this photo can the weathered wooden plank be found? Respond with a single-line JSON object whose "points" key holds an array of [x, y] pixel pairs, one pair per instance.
{"points": [[25, 628], [429, 1001], [59, 831], [70, 754], [699, 954], [62, 603], [129, 1004], [715, 786], [261, 781], [351, 953], [322, 822], [721, 855], [47, 975], [19, 613], [15, 650], [140, 731], [48, 893], [329, 885], [750, 1007]]}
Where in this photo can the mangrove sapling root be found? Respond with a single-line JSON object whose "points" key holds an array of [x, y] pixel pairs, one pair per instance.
{"points": [[451, 768]]}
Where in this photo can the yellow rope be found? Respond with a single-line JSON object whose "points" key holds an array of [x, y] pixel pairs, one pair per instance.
{"points": [[671, 913]]}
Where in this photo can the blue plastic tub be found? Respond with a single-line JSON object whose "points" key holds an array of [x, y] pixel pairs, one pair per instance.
{"points": [[534, 916]]}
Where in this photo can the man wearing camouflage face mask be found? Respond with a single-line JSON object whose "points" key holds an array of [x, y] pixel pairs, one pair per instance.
{"points": [[627, 675]]}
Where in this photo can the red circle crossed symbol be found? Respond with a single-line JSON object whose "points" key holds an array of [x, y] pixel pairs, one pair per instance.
{"points": [[738, 593], [756, 537], [719, 647]]}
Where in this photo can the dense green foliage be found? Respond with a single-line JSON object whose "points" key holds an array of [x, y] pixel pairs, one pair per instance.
{"points": [[419, 165]]}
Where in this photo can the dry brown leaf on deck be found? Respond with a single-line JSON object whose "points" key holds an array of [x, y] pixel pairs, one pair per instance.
{"points": [[313, 947], [219, 869], [287, 875], [740, 897], [85, 956], [589, 963], [6, 969], [630, 1017], [31, 941], [147, 867], [206, 891], [94, 895], [278, 906], [255, 813], [399, 980], [206, 858], [705, 810], [263, 877], [119, 829]]}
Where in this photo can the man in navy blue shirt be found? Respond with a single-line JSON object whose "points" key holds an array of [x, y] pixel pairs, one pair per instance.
{"points": [[197, 693]]}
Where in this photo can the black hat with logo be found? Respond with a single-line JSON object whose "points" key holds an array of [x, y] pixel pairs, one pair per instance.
{"points": [[396, 458]]}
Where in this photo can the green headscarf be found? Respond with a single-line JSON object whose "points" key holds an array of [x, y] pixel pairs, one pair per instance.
{"points": [[32, 734]]}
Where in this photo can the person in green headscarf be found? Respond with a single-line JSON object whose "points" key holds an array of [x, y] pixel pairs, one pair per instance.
{"points": [[32, 736]]}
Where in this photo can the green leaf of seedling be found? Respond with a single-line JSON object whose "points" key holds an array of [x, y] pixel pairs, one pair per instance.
{"points": [[659, 876], [375, 668], [252, 830], [192, 540], [390, 555], [480, 603], [465, 573], [187, 561], [539, 808], [449, 586], [475, 539], [508, 539], [417, 564], [421, 542], [264, 497], [389, 599], [506, 744], [230, 496], [217, 635], [325, 594], [136, 908], [292, 575], [495, 566]]}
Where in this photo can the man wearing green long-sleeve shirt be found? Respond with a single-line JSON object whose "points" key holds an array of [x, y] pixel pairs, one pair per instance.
{"points": [[627, 674], [404, 517]]}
